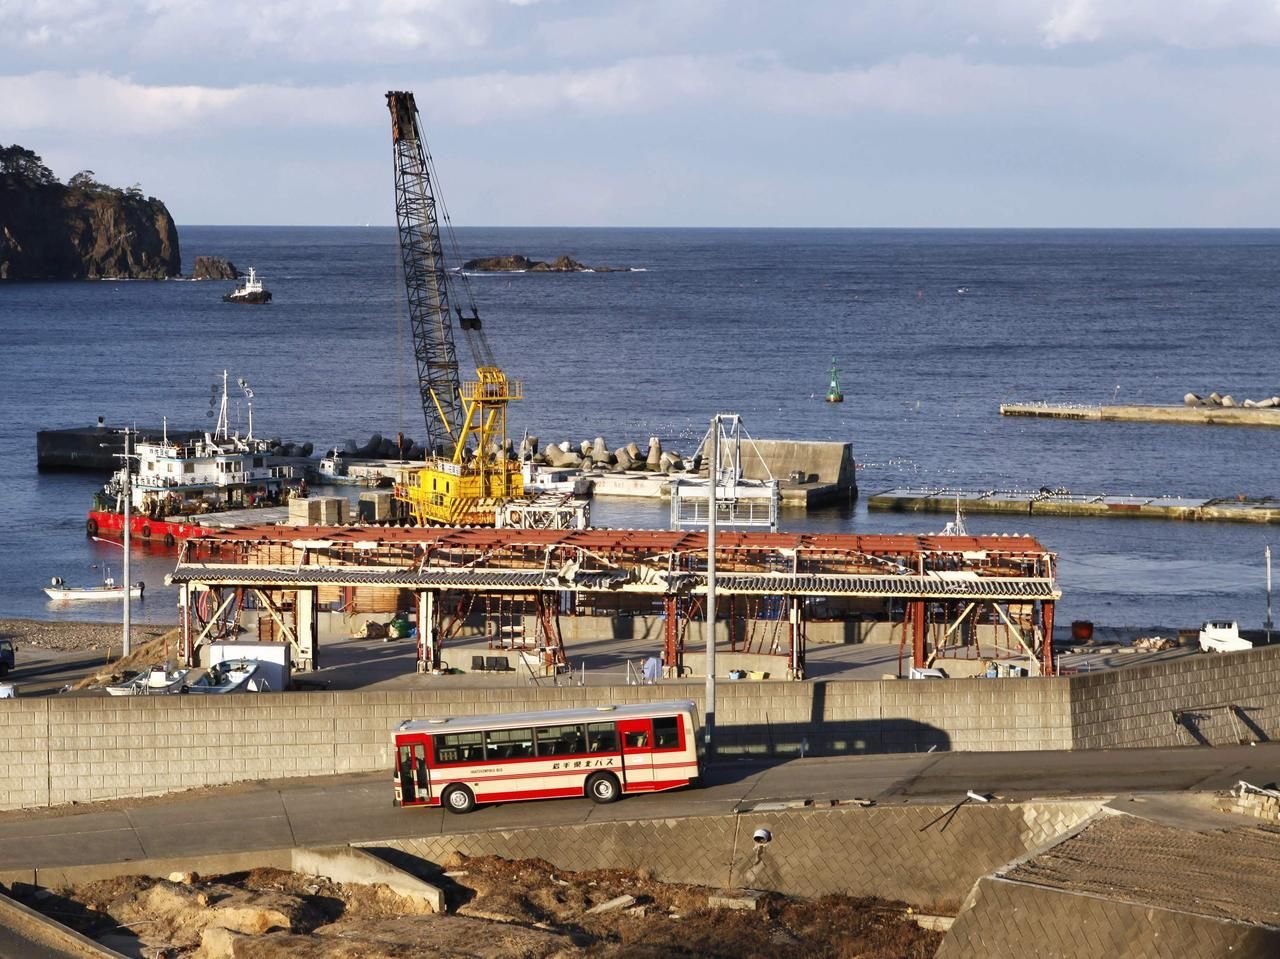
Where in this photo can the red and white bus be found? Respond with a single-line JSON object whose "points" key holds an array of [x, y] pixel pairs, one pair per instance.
{"points": [[601, 752]]}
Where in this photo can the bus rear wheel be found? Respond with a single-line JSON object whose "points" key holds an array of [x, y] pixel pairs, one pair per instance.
{"points": [[459, 799], [603, 788]]}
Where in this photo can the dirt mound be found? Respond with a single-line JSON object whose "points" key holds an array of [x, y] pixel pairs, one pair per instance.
{"points": [[499, 909], [152, 650]]}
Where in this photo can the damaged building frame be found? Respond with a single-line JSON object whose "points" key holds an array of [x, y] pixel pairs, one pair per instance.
{"points": [[960, 603]]}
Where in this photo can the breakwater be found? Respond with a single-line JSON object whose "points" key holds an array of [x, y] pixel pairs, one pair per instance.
{"points": [[1051, 502], [1132, 413]]}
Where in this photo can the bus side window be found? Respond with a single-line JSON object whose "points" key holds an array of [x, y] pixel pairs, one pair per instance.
{"points": [[602, 738], [666, 733], [509, 743], [560, 740]]}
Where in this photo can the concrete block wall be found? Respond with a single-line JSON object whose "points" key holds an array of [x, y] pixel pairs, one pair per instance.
{"points": [[926, 855], [24, 732], [83, 749], [1136, 706], [64, 749]]}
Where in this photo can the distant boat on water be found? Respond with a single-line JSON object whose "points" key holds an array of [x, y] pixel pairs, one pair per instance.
{"points": [[58, 589], [250, 291]]}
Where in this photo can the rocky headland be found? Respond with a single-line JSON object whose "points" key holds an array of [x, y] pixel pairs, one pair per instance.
{"points": [[81, 229], [516, 263]]}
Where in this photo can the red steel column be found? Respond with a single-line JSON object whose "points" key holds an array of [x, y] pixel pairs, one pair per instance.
{"points": [[915, 613], [1046, 652], [672, 657]]}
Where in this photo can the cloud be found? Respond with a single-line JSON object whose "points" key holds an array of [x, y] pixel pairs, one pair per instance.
{"points": [[1182, 24]]}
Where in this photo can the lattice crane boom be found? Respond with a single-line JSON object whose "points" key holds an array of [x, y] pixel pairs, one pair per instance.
{"points": [[426, 282]]}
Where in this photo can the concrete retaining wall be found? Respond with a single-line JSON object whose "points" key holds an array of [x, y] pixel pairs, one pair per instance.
{"points": [[1172, 704], [929, 856], [1012, 920], [59, 750]]}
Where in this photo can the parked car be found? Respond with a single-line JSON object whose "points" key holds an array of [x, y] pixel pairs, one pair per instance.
{"points": [[1222, 636], [6, 656]]}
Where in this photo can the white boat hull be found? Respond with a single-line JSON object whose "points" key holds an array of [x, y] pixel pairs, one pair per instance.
{"points": [[231, 676], [91, 593], [156, 681]]}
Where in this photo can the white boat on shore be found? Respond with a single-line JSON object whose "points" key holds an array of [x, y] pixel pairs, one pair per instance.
{"points": [[228, 676], [58, 589], [159, 680]]}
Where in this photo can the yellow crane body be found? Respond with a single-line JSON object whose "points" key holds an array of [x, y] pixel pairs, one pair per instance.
{"points": [[468, 488]]}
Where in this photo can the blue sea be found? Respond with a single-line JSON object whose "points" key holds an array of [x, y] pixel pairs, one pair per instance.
{"points": [[707, 321]]}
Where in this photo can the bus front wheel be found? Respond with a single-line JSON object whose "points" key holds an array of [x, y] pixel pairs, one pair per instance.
{"points": [[459, 799], [603, 787]]}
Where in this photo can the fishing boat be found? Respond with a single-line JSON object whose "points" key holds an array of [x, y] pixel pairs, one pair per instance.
{"points": [[159, 680], [228, 676], [250, 291], [179, 480], [107, 590]]}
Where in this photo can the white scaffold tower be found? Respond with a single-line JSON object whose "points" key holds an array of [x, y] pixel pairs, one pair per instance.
{"points": [[741, 503]]}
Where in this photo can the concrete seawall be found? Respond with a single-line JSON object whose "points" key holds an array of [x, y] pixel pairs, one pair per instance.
{"points": [[1132, 413], [926, 855], [1096, 505], [60, 750]]}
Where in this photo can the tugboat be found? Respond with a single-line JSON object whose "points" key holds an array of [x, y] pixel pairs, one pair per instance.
{"points": [[177, 481], [250, 291]]}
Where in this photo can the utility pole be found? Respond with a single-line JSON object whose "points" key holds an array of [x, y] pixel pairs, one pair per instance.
{"points": [[1268, 555], [709, 718], [126, 486]]}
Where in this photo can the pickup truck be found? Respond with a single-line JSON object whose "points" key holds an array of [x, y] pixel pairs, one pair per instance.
{"points": [[1222, 636]]}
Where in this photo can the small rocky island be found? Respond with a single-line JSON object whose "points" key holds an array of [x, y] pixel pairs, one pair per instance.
{"points": [[215, 268], [516, 263], [81, 229]]}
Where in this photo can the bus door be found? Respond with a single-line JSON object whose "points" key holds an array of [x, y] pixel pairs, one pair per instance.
{"points": [[412, 785], [637, 753]]}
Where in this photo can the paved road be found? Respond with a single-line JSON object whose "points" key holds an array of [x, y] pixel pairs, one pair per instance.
{"points": [[358, 808]]}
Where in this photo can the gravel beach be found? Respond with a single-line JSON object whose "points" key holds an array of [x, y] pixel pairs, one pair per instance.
{"points": [[73, 636]]}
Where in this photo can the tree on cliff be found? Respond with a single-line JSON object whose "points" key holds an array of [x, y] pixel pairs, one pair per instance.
{"points": [[82, 230], [19, 163]]}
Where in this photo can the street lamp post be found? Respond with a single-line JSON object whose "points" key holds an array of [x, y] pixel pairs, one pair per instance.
{"points": [[709, 719]]}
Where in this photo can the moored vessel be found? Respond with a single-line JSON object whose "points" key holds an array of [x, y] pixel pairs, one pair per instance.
{"points": [[107, 590], [179, 481]]}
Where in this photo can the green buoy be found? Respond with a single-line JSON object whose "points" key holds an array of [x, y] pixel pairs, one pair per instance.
{"points": [[833, 392]]}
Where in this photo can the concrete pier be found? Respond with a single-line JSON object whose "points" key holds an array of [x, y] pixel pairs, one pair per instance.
{"points": [[1048, 503], [1195, 415]]}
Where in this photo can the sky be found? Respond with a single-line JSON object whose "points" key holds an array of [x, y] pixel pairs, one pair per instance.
{"points": [[825, 113]]}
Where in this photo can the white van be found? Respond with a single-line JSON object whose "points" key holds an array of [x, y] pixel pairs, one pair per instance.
{"points": [[1222, 636]]}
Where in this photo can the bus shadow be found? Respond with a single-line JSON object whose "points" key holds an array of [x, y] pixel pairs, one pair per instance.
{"points": [[768, 740]]}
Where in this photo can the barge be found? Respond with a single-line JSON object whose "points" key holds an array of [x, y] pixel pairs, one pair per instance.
{"points": [[1060, 502]]}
